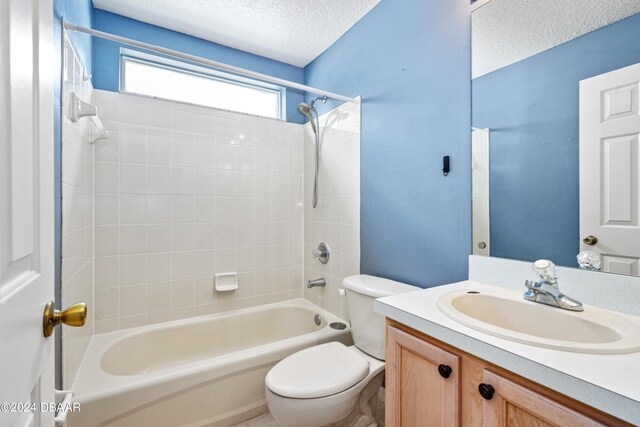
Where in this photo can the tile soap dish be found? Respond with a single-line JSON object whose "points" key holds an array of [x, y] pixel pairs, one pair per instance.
{"points": [[226, 282]]}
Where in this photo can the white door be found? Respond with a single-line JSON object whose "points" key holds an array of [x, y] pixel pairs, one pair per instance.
{"points": [[26, 210], [609, 161]]}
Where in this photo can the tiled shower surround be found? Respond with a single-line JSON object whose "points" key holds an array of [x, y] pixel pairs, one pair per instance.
{"points": [[336, 219], [183, 193], [77, 214]]}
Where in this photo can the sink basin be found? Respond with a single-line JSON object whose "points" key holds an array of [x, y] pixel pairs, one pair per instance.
{"points": [[505, 314]]}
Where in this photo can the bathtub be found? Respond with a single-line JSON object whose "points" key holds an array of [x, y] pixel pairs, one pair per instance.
{"points": [[206, 370]]}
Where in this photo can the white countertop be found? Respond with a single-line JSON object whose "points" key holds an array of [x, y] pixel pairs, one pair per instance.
{"points": [[610, 383]]}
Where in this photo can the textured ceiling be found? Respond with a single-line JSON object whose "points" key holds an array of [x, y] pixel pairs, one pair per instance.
{"points": [[507, 31], [291, 31]]}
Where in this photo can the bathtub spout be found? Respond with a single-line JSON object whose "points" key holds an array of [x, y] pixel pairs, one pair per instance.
{"points": [[316, 283]]}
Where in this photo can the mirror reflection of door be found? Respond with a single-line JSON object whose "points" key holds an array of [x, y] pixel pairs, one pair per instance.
{"points": [[528, 61], [609, 162], [480, 191]]}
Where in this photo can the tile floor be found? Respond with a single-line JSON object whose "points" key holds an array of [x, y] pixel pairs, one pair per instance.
{"points": [[267, 420]]}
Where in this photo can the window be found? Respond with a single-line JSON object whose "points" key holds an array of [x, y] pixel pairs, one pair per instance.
{"points": [[182, 82]]}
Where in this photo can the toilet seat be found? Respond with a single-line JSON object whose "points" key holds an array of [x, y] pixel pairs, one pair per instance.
{"points": [[318, 371]]}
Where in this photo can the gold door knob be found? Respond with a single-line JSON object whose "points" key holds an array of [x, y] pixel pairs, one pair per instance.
{"points": [[72, 316], [590, 240]]}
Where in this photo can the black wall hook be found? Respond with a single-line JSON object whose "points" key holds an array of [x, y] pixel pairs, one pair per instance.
{"points": [[445, 166]]}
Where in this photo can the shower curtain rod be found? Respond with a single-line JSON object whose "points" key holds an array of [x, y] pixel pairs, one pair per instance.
{"points": [[197, 59]]}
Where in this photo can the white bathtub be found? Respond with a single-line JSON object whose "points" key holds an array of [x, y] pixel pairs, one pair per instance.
{"points": [[207, 370]]}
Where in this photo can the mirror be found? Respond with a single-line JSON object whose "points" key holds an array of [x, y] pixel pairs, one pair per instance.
{"points": [[556, 120]]}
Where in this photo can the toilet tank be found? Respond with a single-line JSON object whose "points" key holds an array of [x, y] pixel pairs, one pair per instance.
{"points": [[367, 326]]}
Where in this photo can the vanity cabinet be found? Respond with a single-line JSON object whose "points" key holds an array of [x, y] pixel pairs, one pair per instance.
{"points": [[432, 384], [422, 380], [510, 404]]}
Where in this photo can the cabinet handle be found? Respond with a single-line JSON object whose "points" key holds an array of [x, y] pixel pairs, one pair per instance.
{"points": [[486, 391], [445, 371]]}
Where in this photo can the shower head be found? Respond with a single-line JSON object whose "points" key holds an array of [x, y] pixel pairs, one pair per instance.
{"points": [[306, 109]]}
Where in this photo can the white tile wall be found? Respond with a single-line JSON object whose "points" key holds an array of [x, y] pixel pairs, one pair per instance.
{"points": [[184, 192], [77, 213], [336, 219]]}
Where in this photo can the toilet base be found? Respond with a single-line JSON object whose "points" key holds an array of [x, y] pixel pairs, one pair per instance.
{"points": [[364, 413], [354, 407], [340, 410]]}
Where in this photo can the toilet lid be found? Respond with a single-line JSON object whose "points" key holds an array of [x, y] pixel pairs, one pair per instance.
{"points": [[317, 371]]}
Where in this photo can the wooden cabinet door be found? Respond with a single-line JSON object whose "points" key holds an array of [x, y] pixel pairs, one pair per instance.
{"points": [[513, 405], [417, 394]]}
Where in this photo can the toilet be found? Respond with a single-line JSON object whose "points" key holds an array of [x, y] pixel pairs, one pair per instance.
{"points": [[332, 384]]}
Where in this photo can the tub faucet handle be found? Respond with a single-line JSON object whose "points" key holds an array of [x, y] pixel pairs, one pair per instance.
{"points": [[323, 253]]}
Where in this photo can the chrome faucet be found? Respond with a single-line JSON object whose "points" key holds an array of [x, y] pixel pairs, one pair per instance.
{"points": [[546, 291], [315, 283]]}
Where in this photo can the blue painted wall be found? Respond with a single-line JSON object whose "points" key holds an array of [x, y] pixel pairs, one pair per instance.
{"points": [[531, 108], [106, 55], [410, 61]]}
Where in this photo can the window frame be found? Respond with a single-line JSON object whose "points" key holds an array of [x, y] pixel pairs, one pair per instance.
{"points": [[167, 63]]}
